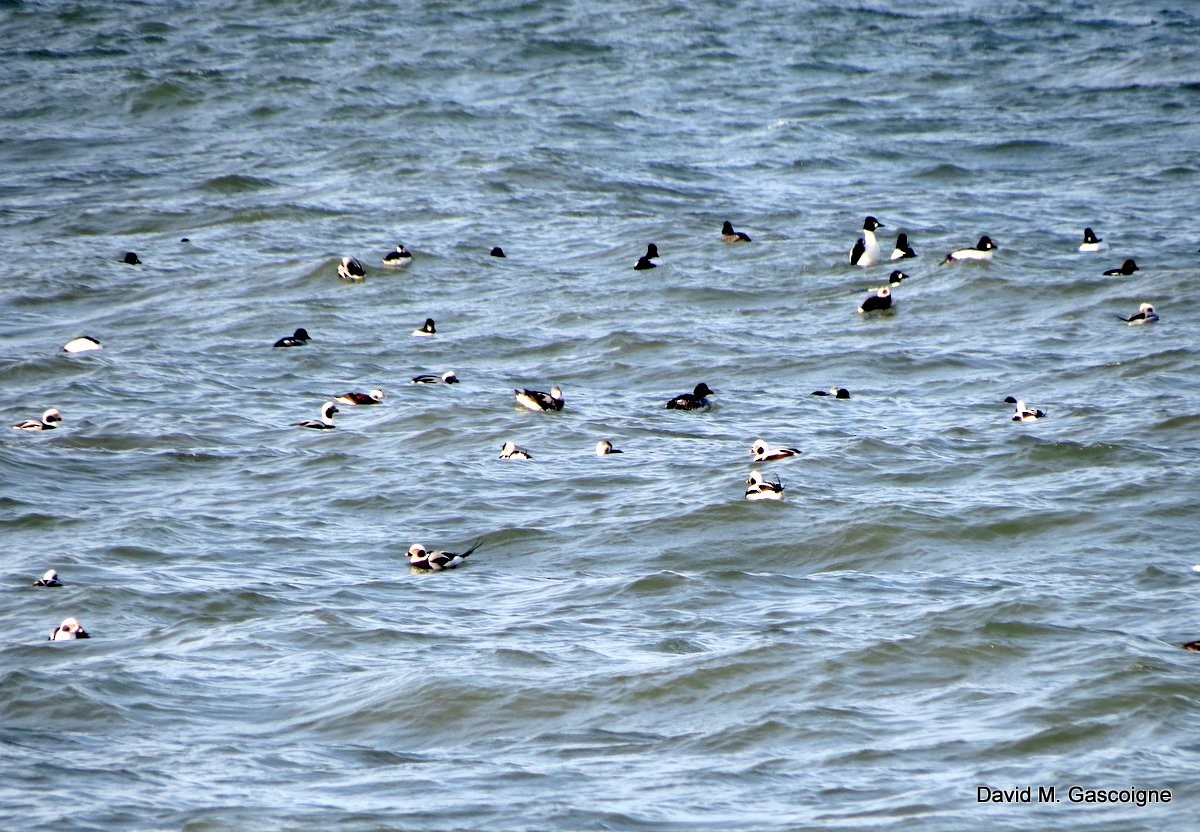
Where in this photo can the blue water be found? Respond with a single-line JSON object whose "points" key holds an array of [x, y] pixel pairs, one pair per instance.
{"points": [[945, 599]]}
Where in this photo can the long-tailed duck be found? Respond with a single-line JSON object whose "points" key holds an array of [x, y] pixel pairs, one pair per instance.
{"points": [[47, 421], [982, 251], [866, 247], [1021, 413], [1124, 270], [881, 299], [537, 400], [728, 235], [760, 488], [604, 448], [421, 558], [1091, 242], [902, 250], [398, 258], [762, 452], [49, 579], [84, 343], [447, 377], [835, 392], [324, 423], [649, 260], [297, 339], [1144, 315], [428, 328], [351, 269], [69, 630], [510, 450], [373, 397], [694, 400]]}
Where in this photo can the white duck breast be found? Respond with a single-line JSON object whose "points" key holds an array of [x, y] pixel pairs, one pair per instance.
{"points": [[84, 343], [427, 329], [604, 448], [351, 269], [537, 400], [902, 250], [397, 258], [760, 488], [982, 251], [1091, 242], [510, 450], [69, 630], [866, 248]]}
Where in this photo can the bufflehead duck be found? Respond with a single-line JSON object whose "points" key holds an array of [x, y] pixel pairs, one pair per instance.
{"points": [[497, 252], [447, 377], [131, 259], [1144, 315], [45, 423], [398, 258], [758, 488], [297, 339], [866, 248], [83, 343], [902, 250], [1021, 413], [351, 269], [374, 397], [49, 579], [324, 423], [694, 400], [604, 448], [649, 260], [510, 450], [420, 558], [1091, 242], [1127, 268], [880, 300], [762, 452], [836, 392], [982, 251], [69, 630], [895, 277], [728, 235], [537, 400], [427, 328]]}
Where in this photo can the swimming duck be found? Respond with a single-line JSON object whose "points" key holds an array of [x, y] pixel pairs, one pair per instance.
{"points": [[324, 423], [982, 251], [510, 450], [728, 235], [604, 448], [131, 259], [866, 247], [69, 630], [1124, 270], [694, 400], [398, 258], [880, 300], [759, 488], [1091, 242], [297, 339], [351, 269], [49, 579], [762, 452], [537, 400], [1144, 315], [447, 377], [428, 328], [1021, 413], [649, 260], [902, 250], [420, 558], [83, 343], [836, 392], [373, 397], [497, 252], [47, 421]]}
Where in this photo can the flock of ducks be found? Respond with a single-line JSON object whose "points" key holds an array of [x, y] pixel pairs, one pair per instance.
{"points": [[865, 253]]}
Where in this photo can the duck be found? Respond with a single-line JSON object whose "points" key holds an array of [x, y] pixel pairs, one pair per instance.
{"points": [[895, 277], [880, 300], [728, 235], [1124, 270], [902, 250], [1091, 242], [426, 329], [297, 339], [497, 252], [351, 269], [48, 579], [47, 421], [1194, 646], [398, 258], [762, 452], [84, 343], [694, 400], [1144, 315], [649, 260], [447, 377], [373, 397], [510, 450], [421, 558], [131, 259], [1021, 413], [69, 630], [324, 423], [537, 400], [604, 448], [759, 488], [835, 392], [982, 251], [866, 248]]}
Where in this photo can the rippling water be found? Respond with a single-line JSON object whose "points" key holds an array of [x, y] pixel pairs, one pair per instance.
{"points": [[945, 600]]}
